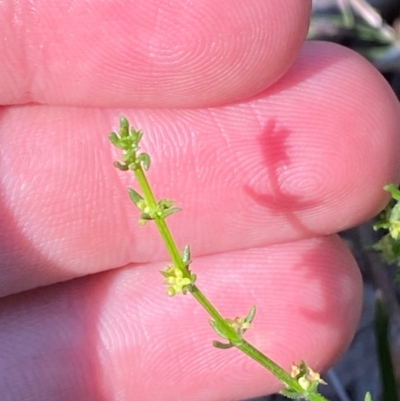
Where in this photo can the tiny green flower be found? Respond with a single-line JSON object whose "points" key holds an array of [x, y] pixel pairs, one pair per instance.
{"points": [[176, 282], [142, 206], [305, 376], [239, 324], [242, 323], [395, 229], [165, 208]]}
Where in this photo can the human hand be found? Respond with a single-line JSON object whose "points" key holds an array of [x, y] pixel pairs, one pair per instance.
{"points": [[265, 173]]}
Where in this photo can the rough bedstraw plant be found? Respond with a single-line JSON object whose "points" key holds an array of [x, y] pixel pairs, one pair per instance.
{"points": [[302, 382]]}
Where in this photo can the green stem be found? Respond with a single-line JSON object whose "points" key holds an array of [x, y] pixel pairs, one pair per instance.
{"points": [[234, 337], [274, 368], [160, 222], [175, 255]]}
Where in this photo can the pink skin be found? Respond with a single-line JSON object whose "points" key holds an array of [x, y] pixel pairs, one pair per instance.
{"points": [[273, 149]]}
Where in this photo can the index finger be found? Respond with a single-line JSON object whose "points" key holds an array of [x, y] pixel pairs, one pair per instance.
{"points": [[146, 53]]}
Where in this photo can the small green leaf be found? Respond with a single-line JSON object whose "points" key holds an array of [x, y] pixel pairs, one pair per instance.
{"points": [[168, 212], [144, 158], [136, 135], [145, 217], [123, 127], [394, 191], [368, 397], [135, 196], [219, 328], [122, 167], [115, 140], [165, 203], [384, 224], [186, 258], [250, 316], [218, 344], [389, 247]]}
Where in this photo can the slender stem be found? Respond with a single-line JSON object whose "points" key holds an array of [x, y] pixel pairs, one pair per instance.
{"points": [[276, 370], [175, 255], [160, 222], [234, 337], [170, 243], [207, 305], [145, 186]]}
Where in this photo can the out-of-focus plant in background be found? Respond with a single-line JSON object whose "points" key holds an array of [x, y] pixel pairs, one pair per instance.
{"points": [[360, 26]]}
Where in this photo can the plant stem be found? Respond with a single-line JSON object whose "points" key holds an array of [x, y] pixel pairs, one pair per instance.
{"points": [[178, 275], [160, 222], [173, 249], [213, 312], [235, 338], [274, 368]]}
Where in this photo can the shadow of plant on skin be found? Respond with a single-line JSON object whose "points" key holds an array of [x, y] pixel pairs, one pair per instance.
{"points": [[273, 144]]}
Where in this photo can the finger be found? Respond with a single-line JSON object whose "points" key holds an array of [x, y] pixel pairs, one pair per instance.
{"points": [[146, 53], [117, 333], [308, 157]]}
